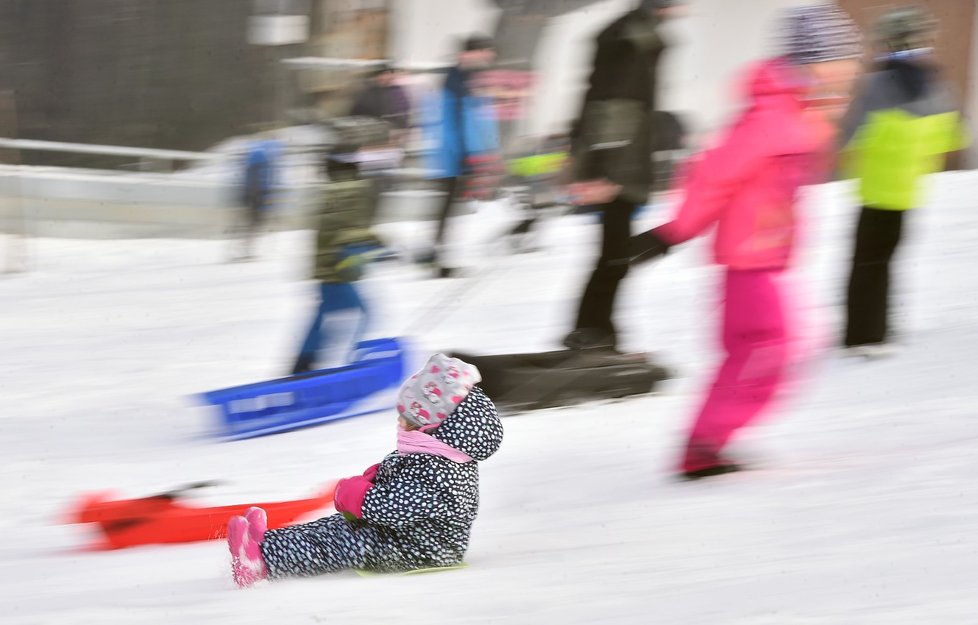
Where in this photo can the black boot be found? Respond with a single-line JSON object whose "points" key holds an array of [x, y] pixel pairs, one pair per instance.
{"points": [[303, 364], [590, 338], [718, 469], [712, 462], [447, 272]]}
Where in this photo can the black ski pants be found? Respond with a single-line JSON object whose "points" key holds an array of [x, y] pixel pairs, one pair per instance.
{"points": [[598, 301], [867, 307], [451, 188]]}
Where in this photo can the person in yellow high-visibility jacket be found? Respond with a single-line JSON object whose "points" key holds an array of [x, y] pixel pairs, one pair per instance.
{"points": [[539, 173], [900, 127]]}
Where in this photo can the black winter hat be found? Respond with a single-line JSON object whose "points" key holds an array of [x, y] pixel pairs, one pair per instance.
{"points": [[906, 28], [341, 162]]}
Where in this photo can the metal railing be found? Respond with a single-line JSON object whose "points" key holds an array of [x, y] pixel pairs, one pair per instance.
{"points": [[145, 155], [20, 217], [17, 242]]}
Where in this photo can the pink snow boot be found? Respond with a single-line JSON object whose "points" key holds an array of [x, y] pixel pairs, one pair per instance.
{"points": [[257, 524], [247, 564]]}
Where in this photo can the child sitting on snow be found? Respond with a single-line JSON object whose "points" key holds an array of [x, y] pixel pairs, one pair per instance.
{"points": [[412, 510]]}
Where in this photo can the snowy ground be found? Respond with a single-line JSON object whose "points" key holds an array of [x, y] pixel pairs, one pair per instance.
{"points": [[862, 510]]}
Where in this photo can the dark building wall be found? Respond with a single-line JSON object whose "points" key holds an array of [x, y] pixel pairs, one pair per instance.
{"points": [[956, 20], [955, 38], [177, 74]]}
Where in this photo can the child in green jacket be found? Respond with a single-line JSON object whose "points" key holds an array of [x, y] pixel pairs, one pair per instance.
{"points": [[900, 127], [344, 244]]}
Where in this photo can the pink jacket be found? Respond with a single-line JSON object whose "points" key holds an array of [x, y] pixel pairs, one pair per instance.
{"points": [[749, 183]]}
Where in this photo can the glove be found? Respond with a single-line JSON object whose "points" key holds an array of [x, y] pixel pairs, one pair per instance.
{"points": [[353, 260], [349, 495], [350, 269], [645, 247], [483, 164], [483, 174]]}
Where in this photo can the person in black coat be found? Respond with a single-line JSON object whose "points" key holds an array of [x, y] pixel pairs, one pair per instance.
{"points": [[612, 156], [384, 99]]}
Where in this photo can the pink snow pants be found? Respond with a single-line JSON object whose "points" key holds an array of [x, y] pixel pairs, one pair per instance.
{"points": [[755, 339]]}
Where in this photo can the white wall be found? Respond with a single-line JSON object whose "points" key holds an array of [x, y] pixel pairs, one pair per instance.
{"points": [[715, 44], [428, 31], [564, 57], [710, 48]]}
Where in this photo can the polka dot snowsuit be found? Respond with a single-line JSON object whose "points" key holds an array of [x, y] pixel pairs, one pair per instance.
{"points": [[418, 513]]}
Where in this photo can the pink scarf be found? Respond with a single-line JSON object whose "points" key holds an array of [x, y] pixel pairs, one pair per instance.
{"points": [[418, 442]]}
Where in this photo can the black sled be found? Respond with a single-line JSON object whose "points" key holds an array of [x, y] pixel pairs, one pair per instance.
{"points": [[521, 382]]}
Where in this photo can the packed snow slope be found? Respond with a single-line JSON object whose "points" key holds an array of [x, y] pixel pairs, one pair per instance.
{"points": [[862, 507]]}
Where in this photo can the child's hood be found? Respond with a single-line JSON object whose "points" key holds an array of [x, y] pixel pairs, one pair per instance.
{"points": [[774, 77], [778, 119], [473, 428]]}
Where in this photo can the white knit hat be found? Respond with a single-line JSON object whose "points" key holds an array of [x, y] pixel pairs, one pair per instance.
{"points": [[429, 396]]}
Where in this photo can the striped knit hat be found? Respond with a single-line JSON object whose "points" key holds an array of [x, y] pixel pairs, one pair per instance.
{"points": [[819, 33]]}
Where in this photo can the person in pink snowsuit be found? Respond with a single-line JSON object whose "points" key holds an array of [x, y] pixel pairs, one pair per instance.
{"points": [[747, 186]]}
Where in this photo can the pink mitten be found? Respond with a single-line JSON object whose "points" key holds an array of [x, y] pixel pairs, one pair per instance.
{"points": [[371, 473], [349, 495]]}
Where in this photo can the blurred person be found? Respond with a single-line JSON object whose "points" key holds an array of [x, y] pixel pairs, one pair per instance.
{"points": [[612, 156], [344, 243], [900, 127], [385, 99], [259, 179], [747, 186], [466, 150], [509, 90], [413, 510], [538, 170]]}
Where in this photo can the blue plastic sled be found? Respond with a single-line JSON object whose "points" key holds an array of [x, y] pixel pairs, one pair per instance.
{"points": [[311, 398]]}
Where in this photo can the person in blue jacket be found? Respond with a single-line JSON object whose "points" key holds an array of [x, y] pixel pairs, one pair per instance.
{"points": [[258, 181], [463, 129]]}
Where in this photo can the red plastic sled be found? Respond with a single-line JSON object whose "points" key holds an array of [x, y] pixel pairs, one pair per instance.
{"points": [[162, 519]]}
